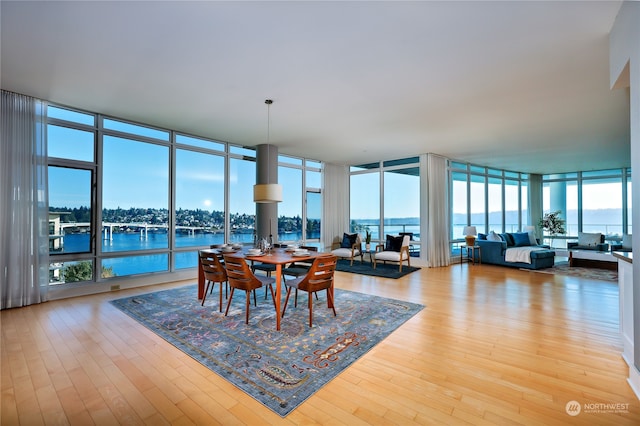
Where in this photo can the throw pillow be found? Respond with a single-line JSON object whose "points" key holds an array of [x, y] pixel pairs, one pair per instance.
{"points": [[521, 239], [589, 239], [508, 238], [626, 242], [393, 243], [482, 236], [348, 240], [493, 237], [532, 239]]}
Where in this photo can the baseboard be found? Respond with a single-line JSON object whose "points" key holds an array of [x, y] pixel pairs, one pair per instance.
{"points": [[634, 380]]}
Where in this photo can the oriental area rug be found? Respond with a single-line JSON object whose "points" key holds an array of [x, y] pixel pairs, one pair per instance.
{"points": [[388, 270], [280, 369], [563, 268]]}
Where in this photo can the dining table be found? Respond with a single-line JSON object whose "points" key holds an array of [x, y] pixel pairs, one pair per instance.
{"points": [[277, 257]]}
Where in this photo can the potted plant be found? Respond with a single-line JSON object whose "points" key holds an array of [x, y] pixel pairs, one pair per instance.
{"points": [[367, 240], [553, 224]]}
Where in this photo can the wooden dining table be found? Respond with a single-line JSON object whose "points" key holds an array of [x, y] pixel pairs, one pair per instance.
{"points": [[277, 257]]}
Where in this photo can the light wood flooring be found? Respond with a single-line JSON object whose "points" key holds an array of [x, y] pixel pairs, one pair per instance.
{"points": [[494, 346]]}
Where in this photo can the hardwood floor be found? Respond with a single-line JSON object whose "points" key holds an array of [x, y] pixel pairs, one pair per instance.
{"points": [[494, 345]]}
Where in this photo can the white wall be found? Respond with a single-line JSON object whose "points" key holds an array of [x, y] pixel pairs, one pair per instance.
{"points": [[624, 71]]}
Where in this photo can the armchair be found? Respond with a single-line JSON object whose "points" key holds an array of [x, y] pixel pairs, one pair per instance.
{"points": [[349, 248], [396, 249]]}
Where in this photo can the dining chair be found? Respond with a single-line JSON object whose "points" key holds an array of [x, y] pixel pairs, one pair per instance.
{"points": [[319, 277], [214, 272], [241, 277], [299, 268]]}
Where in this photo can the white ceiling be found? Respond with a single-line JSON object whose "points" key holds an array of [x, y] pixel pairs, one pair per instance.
{"points": [[516, 85]]}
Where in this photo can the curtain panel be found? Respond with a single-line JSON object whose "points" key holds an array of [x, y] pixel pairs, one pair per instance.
{"points": [[335, 212], [24, 219], [438, 248]]}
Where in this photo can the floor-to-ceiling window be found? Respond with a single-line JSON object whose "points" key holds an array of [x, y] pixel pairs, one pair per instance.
{"points": [[313, 201], [364, 200], [199, 212], [130, 199], [489, 199], [385, 199], [590, 201], [71, 142], [290, 224]]}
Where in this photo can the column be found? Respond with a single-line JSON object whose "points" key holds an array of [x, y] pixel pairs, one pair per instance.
{"points": [[267, 172]]}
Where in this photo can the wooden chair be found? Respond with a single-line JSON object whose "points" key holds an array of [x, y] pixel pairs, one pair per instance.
{"points": [[267, 268], [319, 277], [240, 276], [298, 269], [214, 272], [393, 254]]}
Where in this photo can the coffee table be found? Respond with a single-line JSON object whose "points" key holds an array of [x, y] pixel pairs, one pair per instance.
{"points": [[593, 259]]}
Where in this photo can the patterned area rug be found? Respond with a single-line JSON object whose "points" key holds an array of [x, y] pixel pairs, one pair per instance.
{"points": [[563, 268], [279, 369], [388, 270]]}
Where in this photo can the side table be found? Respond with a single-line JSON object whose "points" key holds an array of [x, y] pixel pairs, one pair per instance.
{"points": [[471, 254]]}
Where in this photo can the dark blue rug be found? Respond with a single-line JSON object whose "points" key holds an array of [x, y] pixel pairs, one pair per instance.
{"points": [[383, 270], [281, 369]]}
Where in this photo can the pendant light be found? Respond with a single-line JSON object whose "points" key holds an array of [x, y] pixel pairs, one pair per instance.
{"points": [[267, 192]]}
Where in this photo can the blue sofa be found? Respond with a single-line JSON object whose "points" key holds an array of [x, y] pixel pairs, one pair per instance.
{"points": [[493, 252]]}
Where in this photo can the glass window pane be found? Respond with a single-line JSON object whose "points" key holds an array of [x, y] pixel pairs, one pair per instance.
{"points": [[459, 206], [242, 209], [602, 206], [313, 179], [601, 173], [69, 115], [69, 210], [457, 166], [402, 202], [402, 161], [313, 164], [314, 215], [241, 150], [199, 199], [368, 166], [524, 200], [135, 195], [70, 272], [290, 209], [494, 192], [201, 143], [511, 210], [290, 160], [133, 265], [478, 207], [73, 144], [186, 259], [135, 129], [365, 204]]}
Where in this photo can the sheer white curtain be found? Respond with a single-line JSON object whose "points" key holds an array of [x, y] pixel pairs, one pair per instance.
{"points": [[535, 202], [438, 248], [24, 219], [335, 211]]}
